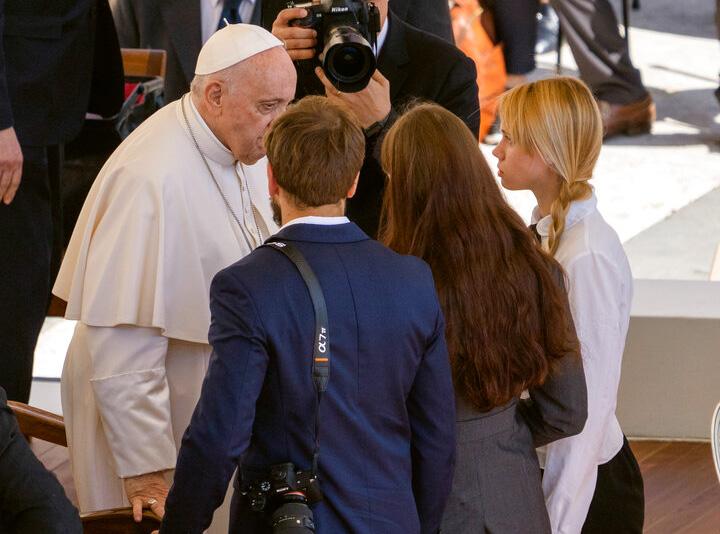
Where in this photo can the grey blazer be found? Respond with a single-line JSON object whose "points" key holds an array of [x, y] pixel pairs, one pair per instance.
{"points": [[497, 486], [171, 25]]}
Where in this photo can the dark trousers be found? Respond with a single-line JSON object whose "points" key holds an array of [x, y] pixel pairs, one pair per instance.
{"points": [[26, 253], [601, 53], [618, 505], [516, 25]]}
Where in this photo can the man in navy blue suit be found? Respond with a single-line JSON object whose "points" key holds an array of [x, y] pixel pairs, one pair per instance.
{"points": [[386, 421]]}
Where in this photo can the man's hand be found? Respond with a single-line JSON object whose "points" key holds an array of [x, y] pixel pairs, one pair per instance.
{"points": [[299, 42], [11, 161], [146, 491], [370, 105]]}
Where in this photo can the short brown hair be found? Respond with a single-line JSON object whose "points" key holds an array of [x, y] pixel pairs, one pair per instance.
{"points": [[316, 149]]}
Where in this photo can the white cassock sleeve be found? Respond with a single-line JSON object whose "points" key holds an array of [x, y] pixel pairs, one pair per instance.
{"points": [[570, 475], [133, 397]]}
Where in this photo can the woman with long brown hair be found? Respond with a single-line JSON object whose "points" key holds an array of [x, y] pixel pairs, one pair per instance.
{"points": [[508, 324]]}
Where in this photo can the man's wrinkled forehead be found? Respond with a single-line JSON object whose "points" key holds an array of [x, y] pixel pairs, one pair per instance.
{"points": [[270, 72]]}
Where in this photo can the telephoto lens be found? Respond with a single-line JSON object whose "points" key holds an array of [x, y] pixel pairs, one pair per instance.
{"points": [[346, 39], [293, 516], [348, 59]]}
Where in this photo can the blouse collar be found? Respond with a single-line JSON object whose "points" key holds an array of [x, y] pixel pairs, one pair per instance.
{"points": [[579, 209]]}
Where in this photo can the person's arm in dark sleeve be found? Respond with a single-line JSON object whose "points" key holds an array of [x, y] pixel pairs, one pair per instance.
{"points": [[431, 408], [31, 498], [221, 426], [558, 409]]}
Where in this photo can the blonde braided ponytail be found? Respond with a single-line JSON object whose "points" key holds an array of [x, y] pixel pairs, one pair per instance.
{"points": [[569, 192]]}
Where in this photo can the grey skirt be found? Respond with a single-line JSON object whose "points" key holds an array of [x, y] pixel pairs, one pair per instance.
{"points": [[497, 486]]}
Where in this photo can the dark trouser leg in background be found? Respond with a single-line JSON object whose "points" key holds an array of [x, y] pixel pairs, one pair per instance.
{"points": [[601, 53], [516, 25], [26, 236], [618, 505], [717, 23]]}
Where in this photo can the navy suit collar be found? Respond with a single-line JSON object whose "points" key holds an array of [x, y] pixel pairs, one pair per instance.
{"points": [[318, 233]]}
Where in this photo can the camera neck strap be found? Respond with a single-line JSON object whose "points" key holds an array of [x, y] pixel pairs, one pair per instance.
{"points": [[321, 342]]}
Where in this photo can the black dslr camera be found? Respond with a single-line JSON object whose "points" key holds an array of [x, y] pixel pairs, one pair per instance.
{"points": [[346, 38], [285, 495]]}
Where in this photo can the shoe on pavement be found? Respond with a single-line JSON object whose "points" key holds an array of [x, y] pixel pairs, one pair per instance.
{"points": [[628, 119]]}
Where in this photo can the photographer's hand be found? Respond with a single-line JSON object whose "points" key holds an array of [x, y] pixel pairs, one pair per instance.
{"points": [[370, 105], [298, 41]]}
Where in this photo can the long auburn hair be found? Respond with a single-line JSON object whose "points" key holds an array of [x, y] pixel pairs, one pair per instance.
{"points": [[505, 308]]}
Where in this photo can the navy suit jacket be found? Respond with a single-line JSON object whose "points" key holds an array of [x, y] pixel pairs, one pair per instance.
{"points": [[387, 436]]}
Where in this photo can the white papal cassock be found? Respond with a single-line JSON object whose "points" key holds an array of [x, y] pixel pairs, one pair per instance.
{"points": [[153, 232]]}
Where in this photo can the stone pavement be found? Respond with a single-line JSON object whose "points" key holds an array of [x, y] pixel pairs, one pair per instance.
{"points": [[661, 191]]}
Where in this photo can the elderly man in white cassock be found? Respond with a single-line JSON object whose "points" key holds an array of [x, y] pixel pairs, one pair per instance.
{"points": [[182, 197]]}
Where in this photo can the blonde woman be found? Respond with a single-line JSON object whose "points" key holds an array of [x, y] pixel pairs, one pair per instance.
{"points": [[552, 134]]}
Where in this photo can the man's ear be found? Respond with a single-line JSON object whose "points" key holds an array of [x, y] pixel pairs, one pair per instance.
{"points": [[273, 187], [353, 187], [213, 95]]}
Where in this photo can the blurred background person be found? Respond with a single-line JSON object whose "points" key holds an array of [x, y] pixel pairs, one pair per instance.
{"points": [[552, 135], [52, 55], [508, 323], [603, 59], [180, 27], [717, 23], [601, 54], [517, 28]]}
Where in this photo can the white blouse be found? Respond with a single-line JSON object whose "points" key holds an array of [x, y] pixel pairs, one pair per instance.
{"points": [[599, 285]]}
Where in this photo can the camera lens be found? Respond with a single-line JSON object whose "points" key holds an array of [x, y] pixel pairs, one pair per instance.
{"points": [[348, 62], [348, 59], [293, 516]]}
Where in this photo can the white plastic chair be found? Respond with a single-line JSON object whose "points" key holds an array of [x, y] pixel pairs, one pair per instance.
{"points": [[715, 439]]}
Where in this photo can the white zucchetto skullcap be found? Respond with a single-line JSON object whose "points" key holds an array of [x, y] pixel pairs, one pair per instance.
{"points": [[233, 44]]}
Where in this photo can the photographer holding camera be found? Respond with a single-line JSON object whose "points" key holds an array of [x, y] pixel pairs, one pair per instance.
{"points": [[406, 64], [329, 386]]}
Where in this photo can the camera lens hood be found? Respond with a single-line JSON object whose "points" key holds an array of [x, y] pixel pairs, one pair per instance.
{"points": [[348, 60]]}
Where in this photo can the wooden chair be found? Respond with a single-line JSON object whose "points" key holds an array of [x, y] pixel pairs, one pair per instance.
{"points": [[144, 62], [47, 426], [144, 70]]}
